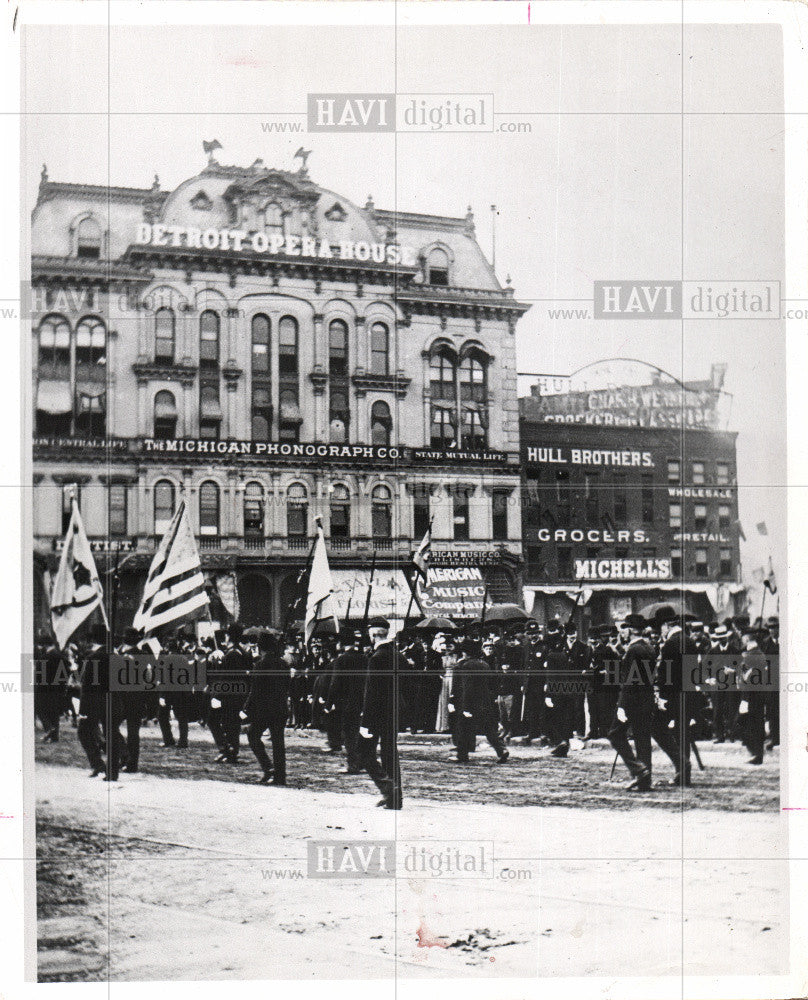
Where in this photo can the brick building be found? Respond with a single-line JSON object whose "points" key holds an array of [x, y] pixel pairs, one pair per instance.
{"points": [[630, 497]]}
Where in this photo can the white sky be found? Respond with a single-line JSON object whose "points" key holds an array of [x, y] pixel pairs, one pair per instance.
{"points": [[595, 191]]}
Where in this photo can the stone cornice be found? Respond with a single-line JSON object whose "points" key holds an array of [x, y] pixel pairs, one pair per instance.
{"points": [[49, 268], [165, 372], [368, 382]]}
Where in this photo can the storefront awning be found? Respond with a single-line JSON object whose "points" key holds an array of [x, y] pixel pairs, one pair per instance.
{"points": [[54, 397], [390, 596], [717, 593]]}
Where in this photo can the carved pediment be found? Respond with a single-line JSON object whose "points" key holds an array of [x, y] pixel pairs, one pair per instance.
{"points": [[201, 202]]}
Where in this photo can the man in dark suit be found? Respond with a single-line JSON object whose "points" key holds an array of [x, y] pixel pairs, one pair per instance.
{"points": [[636, 707], [233, 673], [267, 707], [473, 698], [346, 693], [52, 671], [99, 709], [379, 721], [559, 700], [677, 696], [133, 704], [580, 658]]}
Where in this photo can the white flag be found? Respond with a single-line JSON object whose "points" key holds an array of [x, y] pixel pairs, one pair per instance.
{"points": [[423, 555], [320, 603], [77, 590], [175, 586]]}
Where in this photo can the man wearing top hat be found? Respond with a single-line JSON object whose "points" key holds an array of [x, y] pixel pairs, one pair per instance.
{"points": [[677, 696], [267, 707], [636, 707], [770, 645], [559, 700]]}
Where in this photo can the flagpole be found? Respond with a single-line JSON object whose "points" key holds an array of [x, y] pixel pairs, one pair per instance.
{"points": [[485, 603], [300, 578], [370, 590]]}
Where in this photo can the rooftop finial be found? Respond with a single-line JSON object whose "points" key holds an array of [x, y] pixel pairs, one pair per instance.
{"points": [[210, 148], [43, 177], [303, 155], [156, 183], [370, 204]]}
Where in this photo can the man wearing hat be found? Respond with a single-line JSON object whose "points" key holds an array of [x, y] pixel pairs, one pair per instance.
{"points": [[98, 709], [473, 700], [770, 645], [133, 703], [602, 697], [232, 676], [677, 697], [580, 661], [635, 707], [558, 699], [752, 707], [346, 692], [379, 721], [724, 700], [267, 707], [52, 671]]}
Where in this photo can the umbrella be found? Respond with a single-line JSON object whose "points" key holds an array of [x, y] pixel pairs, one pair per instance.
{"points": [[506, 613], [253, 632], [650, 611], [437, 624]]}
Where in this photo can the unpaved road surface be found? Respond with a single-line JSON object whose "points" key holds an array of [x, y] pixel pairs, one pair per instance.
{"points": [[191, 871]]}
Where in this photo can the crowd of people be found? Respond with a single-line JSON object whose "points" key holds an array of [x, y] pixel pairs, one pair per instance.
{"points": [[630, 682]]}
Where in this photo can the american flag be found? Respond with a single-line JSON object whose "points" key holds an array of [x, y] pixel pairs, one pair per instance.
{"points": [[423, 554], [175, 586]]}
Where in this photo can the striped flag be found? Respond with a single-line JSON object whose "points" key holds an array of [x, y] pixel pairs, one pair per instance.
{"points": [[320, 602], [77, 590], [423, 554], [175, 586]]}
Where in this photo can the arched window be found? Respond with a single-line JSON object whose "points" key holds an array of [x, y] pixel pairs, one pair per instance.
{"points": [[443, 432], [381, 515], [442, 374], [88, 240], [209, 509], [163, 505], [437, 267], [338, 348], [287, 347], [338, 416], [473, 377], [273, 219], [91, 347], [209, 339], [253, 512], [260, 345], [164, 332], [54, 348], [340, 515], [297, 515], [379, 349], [381, 423], [165, 415]]}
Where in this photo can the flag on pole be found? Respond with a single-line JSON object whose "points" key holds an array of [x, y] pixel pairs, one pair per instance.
{"points": [[175, 586], [770, 583], [77, 590], [423, 554], [320, 602], [762, 529]]}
